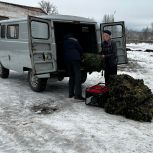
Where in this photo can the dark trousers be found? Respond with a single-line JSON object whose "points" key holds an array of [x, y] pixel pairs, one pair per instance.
{"points": [[73, 68], [109, 70]]}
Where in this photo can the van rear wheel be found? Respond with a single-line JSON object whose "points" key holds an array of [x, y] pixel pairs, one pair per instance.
{"points": [[4, 72], [36, 84]]}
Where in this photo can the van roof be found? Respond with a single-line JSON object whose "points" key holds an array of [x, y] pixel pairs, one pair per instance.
{"points": [[68, 17], [54, 18]]}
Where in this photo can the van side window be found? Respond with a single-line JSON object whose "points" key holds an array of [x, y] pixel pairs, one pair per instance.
{"points": [[13, 31], [40, 30], [3, 29]]}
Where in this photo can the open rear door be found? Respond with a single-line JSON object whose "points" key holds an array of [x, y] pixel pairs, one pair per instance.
{"points": [[40, 45], [118, 35]]}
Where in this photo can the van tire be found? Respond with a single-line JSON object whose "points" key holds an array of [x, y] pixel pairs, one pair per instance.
{"points": [[83, 76], [4, 72], [36, 84]]}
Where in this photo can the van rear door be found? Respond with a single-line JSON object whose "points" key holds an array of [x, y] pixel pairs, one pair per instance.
{"points": [[118, 35], [40, 45]]}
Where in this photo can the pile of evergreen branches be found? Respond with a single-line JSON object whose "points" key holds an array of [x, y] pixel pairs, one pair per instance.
{"points": [[92, 62], [129, 97]]}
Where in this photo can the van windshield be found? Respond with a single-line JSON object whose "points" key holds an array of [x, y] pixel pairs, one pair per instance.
{"points": [[40, 30]]}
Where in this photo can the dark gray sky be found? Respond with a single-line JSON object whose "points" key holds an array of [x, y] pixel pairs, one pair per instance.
{"points": [[137, 14]]}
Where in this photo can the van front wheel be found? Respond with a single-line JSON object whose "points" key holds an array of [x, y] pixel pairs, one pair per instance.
{"points": [[36, 84], [4, 73]]}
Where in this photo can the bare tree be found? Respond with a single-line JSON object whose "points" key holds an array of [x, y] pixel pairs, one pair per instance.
{"points": [[48, 7], [108, 18]]}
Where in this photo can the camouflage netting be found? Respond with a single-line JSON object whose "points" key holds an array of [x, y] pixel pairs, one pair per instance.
{"points": [[130, 97], [92, 62]]}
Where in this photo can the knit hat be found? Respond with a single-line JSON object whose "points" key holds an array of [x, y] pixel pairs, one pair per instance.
{"points": [[107, 31]]}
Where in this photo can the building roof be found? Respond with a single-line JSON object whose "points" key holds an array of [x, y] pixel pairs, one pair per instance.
{"points": [[36, 9]]}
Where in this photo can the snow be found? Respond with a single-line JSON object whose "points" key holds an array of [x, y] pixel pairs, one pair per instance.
{"points": [[139, 46], [74, 127], [140, 67]]}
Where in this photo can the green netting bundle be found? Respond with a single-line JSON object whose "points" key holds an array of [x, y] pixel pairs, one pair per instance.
{"points": [[92, 62], [129, 97]]}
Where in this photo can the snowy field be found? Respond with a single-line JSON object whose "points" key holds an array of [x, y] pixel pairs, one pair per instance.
{"points": [[72, 127], [140, 46]]}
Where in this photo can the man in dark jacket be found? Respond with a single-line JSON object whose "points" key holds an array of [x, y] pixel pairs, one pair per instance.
{"points": [[72, 58], [109, 53]]}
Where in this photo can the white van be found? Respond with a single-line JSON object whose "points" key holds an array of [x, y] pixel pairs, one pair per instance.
{"points": [[35, 44]]}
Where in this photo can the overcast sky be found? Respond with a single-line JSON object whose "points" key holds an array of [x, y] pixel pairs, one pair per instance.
{"points": [[137, 14]]}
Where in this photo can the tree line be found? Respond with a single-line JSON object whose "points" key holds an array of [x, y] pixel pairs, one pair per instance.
{"points": [[144, 35]]}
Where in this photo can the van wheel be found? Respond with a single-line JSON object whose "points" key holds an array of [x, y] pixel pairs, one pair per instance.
{"points": [[4, 73], [36, 84], [83, 76]]}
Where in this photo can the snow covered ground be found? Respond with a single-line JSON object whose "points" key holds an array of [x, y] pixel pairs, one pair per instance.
{"points": [[73, 127], [140, 46]]}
